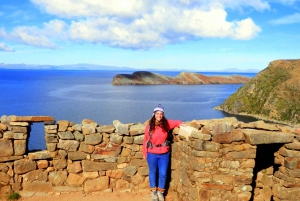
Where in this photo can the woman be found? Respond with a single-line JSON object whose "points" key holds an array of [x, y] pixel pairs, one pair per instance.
{"points": [[156, 149]]}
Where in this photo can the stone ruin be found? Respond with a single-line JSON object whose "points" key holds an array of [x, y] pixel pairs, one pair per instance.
{"points": [[212, 160]]}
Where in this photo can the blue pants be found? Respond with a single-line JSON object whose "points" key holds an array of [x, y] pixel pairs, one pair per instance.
{"points": [[158, 163]]}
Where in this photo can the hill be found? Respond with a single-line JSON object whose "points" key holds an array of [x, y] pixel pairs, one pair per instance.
{"points": [[273, 94], [149, 78]]}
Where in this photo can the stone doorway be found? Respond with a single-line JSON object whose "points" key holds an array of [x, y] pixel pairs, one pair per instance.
{"points": [[265, 167]]}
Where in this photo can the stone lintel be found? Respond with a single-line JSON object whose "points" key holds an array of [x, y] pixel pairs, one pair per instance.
{"points": [[31, 118], [256, 137]]}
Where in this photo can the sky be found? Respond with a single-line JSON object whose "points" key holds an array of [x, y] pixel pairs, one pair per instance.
{"points": [[160, 34]]}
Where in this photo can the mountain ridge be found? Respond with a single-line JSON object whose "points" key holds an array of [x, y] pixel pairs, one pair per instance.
{"points": [[84, 66]]}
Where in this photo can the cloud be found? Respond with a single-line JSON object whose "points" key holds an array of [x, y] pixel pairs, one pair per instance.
{"points": [[38, 37], [259, 5], [90, 8], [32, 36], [3, 47], [290, 19], [138, 24]]}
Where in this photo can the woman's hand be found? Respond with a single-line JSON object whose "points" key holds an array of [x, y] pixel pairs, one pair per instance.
{"points": [[183, 125]]}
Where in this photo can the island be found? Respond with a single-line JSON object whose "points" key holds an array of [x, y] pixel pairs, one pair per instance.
{"points": [[185, 78]]}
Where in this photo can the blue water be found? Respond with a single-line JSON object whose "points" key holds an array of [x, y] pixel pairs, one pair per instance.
{"points": [[75, 95]]}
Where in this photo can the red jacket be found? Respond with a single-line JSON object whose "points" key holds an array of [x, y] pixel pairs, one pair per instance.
{"points": [[159, 136]]}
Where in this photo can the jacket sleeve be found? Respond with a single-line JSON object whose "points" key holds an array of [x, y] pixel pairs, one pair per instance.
{"points": [[146, 137], [174, 123]]}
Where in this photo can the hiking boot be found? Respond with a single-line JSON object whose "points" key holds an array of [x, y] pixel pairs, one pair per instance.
{"points": [[160, 196], [154, 196]]}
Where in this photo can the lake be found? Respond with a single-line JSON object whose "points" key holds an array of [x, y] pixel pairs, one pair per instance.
{"points": [[76, 95]]}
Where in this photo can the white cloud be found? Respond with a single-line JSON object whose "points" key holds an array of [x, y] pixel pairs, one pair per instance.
{"points": [[92, 8], [245, 29], [290, 19], [29, 36], [139, 24], [259, 5], [56, 29], [3, 47]]}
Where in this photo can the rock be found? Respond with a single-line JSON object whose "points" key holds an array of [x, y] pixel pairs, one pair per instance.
{"points": [[130, 171], [137, 129], [69, 145], [36, 175], [267, 137], [138, 139], [19, 129], [77, 155], [251, 153], [51, 146], [38, 186], [92, 166], [39, 155], [6, 148], [74, 167], [42, 164], [57, 177], [5, 119], [88, 129], [4, 178], [59, 164], [106, 150], [122, 185], [200, 136], [116, 139], [19, 147], [93, 139], [90, 175], [106, 129], [78, 136], [23, 166], [30, 118], [121, 129], [62, 125], [128, 140], [67, 135], [75, 179], [87, 148], [13, 135], [295, 145], [206, 146], [224, 138], [51, 138], [186, 131], [98, 184], [89, 122], [116, 174]]}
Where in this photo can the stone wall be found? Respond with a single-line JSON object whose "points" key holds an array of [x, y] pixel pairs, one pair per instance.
{"points": [[218, 159]]}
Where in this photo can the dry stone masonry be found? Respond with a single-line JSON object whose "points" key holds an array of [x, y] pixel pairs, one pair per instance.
{"points": [[212, 160]]}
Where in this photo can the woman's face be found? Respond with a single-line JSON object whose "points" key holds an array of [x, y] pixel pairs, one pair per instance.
{"points": [[158, 115]]}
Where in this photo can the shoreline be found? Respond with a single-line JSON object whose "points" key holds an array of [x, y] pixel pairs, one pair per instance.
{"points": [[271, 121]]}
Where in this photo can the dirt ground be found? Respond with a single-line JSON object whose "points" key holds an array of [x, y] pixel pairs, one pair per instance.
{"points": [[77, 196]]}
